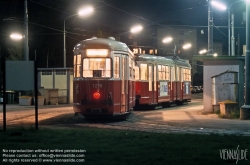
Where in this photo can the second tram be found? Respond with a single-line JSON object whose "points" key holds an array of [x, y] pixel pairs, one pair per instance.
{"points": [[161, 81]]}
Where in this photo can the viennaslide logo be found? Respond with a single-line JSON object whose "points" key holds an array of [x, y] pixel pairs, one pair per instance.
{"points": [[234, 154]]}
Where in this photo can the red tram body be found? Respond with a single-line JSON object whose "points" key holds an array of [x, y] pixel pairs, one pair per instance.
{"points": [[161, 81], [103, 82], [109, 80]]}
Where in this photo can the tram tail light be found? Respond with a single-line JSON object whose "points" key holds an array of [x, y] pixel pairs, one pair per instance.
{"points": [[97, 95]]}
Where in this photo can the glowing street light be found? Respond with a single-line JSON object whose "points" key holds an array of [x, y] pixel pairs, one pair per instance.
{"points": [[167, 39], [85, 11], [82, 12], [219, 5], [231, 39], [136, 29], [203, 51], [16, 36], [187, 46]]}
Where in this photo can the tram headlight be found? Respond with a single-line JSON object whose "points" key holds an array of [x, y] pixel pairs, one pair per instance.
{"points": [[97, 95]]}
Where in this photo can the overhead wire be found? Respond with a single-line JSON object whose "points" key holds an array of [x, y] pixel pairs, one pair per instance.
{"points": [[151, 22]]}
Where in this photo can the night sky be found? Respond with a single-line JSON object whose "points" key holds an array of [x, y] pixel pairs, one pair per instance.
{"points": [[46, 19]]}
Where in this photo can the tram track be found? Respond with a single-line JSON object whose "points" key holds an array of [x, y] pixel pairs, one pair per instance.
{"points": [[156, 121]]}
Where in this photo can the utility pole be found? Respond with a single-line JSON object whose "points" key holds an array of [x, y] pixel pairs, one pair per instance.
{"points": [[232, 37], [245, 109], [229, 34], [26, 37], [210, 28]]}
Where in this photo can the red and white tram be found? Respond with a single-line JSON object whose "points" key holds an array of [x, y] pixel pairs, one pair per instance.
{"points": [[161, 81], [103, 82]]}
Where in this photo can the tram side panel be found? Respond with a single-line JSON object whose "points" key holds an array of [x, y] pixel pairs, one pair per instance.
{"points": [[164, 94], [142, 93], [186, 91], [94, 97], [131, 95]]}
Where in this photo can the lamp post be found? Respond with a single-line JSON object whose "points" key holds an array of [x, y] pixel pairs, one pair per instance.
{"points": [[82, 12], [231, 38], [212, 3], [245, 109], [26, 44], [210, 28]]}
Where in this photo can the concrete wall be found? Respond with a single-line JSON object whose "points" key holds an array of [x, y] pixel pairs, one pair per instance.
{"points": [[215, 67], [58, 78]]}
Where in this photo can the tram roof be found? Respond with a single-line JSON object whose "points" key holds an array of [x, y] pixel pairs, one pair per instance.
{"points": [[162, 60], [102, 43]]}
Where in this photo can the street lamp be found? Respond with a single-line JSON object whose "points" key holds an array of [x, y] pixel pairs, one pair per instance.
{"points": [[187, 46], [169, 39], [231, 39], [203, 51], [16, 36], [231, 24], [136, 29], [83, 12]]}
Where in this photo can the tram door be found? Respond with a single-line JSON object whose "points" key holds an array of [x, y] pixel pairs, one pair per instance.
{"points": [[124, 83], [151, 84]]}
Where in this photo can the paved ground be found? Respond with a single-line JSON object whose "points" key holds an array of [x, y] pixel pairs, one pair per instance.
{"points": [[180, 119]]}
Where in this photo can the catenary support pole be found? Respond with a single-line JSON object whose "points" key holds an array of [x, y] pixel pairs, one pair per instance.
{"points": [[26, 36], [245, 109], [210, 28]]}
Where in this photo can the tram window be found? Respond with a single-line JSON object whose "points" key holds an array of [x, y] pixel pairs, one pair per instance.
{"points": [[172, 73], [167, 73], [150, 78], [159, 72], [131, 64], [97, 67], [154, 78], [86, 71], [116, 67], [186, 74], [77, 65], [144, 71], [163, 72], [108, 68], [137, 77], [177, 74], [180, 75], [123, 74]]}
